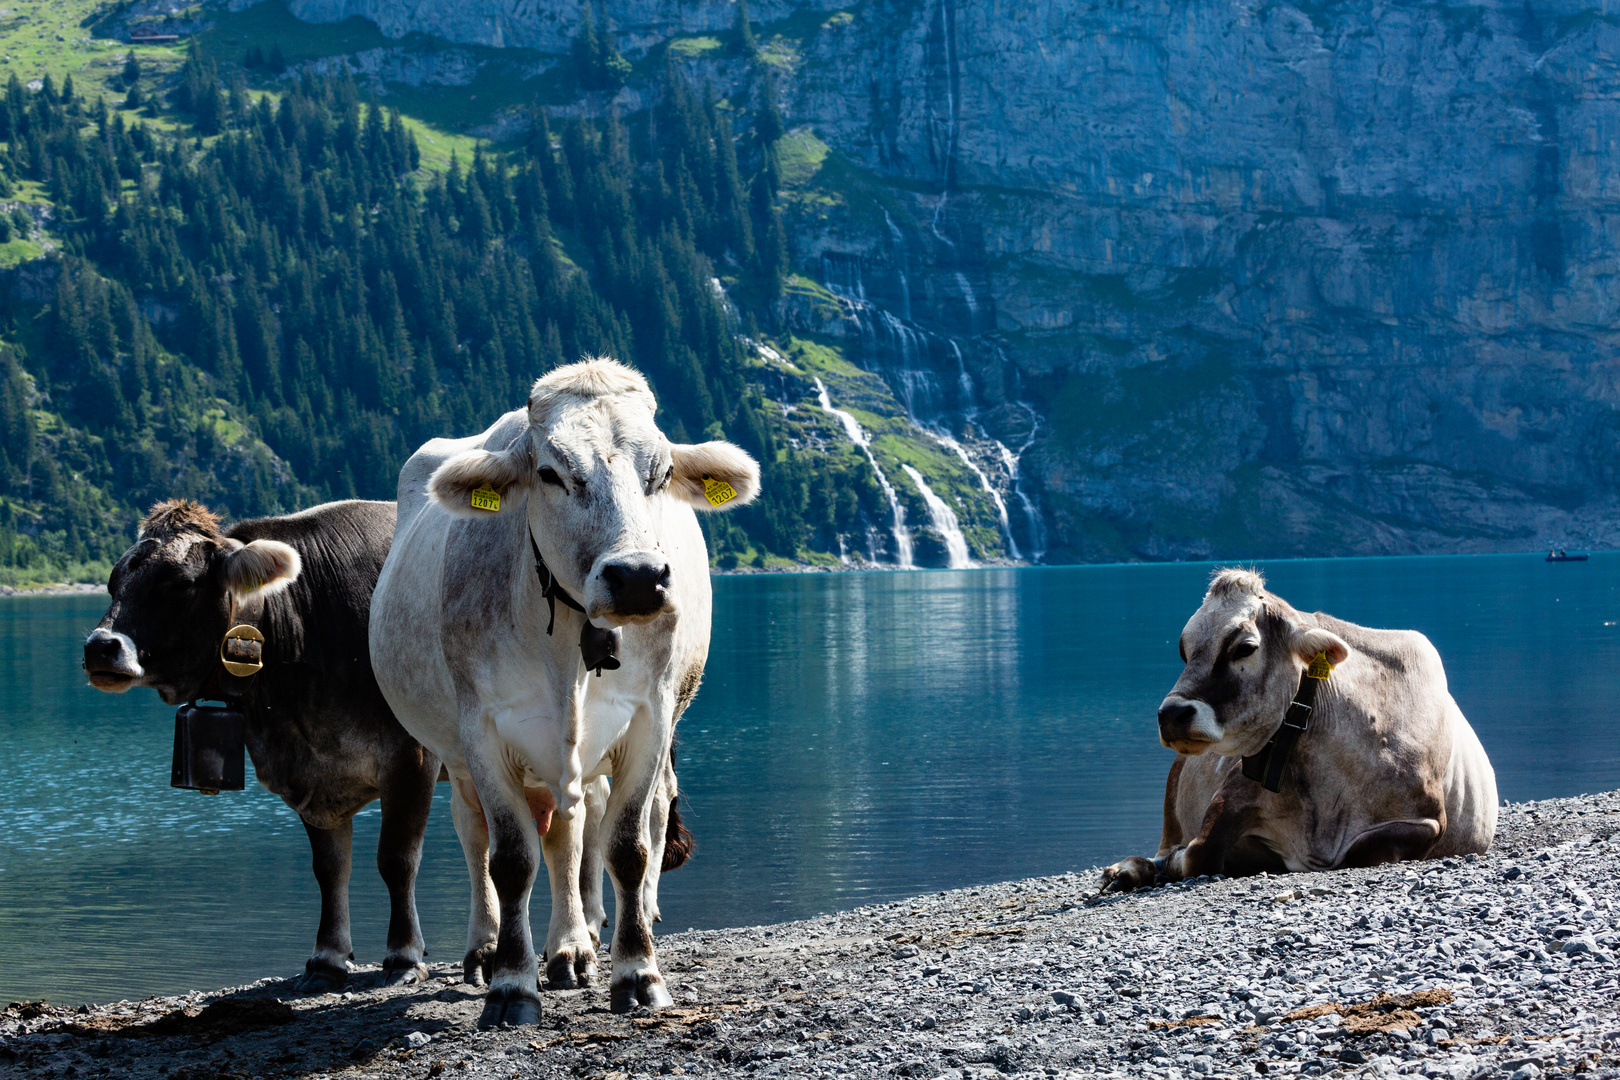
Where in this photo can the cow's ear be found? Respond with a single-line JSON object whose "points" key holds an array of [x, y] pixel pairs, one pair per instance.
{"points": [[1310, 640], [714, 475], [454, 482], [263, 567]]}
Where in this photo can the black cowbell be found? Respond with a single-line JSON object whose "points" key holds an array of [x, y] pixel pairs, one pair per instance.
{"points": [[209, 742]]}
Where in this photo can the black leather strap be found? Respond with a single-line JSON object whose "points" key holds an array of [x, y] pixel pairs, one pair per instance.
{"points": [[1267, 766], [598, 647], [221, 685]]}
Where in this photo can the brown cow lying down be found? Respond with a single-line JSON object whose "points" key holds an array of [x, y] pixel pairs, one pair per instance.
{"points": [[1387, 768]]}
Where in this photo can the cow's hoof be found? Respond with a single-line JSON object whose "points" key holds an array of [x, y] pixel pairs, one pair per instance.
{"points": [[321, 977], [478, 965], [510, 1007], [648, 990], [569, 970], [1127, 874], [400, 971]]}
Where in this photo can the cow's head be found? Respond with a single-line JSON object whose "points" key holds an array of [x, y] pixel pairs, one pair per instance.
{"points": [[1245, 650], [599, 476], [171, 601]]}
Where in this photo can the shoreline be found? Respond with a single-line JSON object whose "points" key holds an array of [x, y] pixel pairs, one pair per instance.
{"points": [[75, 588], [84, 587], [1503, 965]]}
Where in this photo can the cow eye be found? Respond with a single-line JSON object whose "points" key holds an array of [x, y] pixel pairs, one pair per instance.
{"points": [[549, 475], [1245, 650]]}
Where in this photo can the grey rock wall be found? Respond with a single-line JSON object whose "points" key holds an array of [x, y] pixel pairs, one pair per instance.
{"points": [[1280, 279], [1277, 279]]}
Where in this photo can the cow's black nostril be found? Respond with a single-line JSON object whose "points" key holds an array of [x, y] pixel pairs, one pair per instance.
{"points": [[101, 648], [106, 653], [637, 587], [1176, 714]]}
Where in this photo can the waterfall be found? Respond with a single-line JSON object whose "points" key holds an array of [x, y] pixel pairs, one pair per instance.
{"points": [[944, 520], [947, 33], [852, 428], [899, 239], [915, 367], [989, 489], [1037, 530], [917, 386]]}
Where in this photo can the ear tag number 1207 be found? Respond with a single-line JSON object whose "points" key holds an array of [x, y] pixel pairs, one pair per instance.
{"points": [[486, 498], [718, 492]]}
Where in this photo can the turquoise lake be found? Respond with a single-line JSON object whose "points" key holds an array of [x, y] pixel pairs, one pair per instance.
{"points": [[858, 737]]}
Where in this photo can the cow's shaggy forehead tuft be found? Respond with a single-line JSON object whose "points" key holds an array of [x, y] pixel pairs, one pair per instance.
{"points": [[1235, 582], [597, 377], [173, 516]]}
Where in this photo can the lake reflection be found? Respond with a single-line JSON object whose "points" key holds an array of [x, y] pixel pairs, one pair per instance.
{"points": [[858, 737]]}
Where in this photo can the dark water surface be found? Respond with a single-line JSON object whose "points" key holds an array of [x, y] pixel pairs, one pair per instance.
{"points": [[858, 737]]}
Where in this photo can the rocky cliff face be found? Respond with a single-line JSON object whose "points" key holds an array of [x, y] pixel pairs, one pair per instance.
{"points": [[1204, 279]]}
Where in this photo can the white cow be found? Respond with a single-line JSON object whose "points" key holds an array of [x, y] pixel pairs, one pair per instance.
{"points": [[487, 669]]}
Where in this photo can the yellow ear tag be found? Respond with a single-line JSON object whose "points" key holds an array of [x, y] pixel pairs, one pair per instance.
{"points": [[486, 498], [1320, 667], [718, 492]]}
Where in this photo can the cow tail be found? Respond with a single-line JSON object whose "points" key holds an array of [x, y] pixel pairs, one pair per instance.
{"points": [[678, 842]]}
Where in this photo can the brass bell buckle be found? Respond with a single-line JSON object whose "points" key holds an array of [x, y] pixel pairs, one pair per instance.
{"points": [[242, 650]]}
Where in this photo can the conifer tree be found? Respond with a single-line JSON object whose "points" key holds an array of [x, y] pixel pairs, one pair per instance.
{"points": [[744, 32]]}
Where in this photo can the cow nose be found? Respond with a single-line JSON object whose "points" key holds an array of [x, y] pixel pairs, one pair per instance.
{"points": [[105, 651], [1176, 716], [101, 649], [637, 586]]}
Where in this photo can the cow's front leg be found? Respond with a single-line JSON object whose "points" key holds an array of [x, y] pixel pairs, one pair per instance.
{"points": [[570, 952], [1228, 818], [407, 796], [514, 857], [483, 919], [657, 828], [636, 979], [590, 862], [1133, 872], [327, 969]]}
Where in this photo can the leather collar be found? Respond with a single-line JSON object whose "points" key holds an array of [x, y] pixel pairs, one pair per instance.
{"points": [[222, 684], [1267, 766], [598, 647]]}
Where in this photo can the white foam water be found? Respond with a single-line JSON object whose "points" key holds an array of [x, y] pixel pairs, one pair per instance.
{"points": [[852, 428], [944, 521]]}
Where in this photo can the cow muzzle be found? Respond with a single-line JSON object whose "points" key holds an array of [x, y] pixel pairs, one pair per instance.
{"points": [[1187, 725], [110, 661], [635, 588]]}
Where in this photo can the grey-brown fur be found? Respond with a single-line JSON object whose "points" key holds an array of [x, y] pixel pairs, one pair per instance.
{"points": [[1388, 770]]}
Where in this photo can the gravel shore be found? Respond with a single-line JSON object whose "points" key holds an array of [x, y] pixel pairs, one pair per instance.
{"points": [[65, 589], [1498, 966]]}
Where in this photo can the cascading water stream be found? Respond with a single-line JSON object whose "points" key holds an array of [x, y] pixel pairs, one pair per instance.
{"points": [[852, 428], [1037, 530], [944, 521], [916, 385], [989, 489]]}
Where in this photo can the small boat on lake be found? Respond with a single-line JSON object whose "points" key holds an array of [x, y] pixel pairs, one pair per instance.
{"points": [[1560, 555]]}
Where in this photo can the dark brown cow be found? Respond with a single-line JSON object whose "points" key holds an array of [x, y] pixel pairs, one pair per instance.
{"points": [[318, 730]]}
